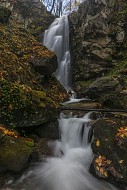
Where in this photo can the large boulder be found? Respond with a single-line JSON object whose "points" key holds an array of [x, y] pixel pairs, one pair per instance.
{"points": [[45, 66], [110, 150], [109, 91], [14, 152]]}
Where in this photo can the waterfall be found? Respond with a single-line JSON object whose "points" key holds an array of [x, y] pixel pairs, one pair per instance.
{"points": [[68, 169], [56, 38]]}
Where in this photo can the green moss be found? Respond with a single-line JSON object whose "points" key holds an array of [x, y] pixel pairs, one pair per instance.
{"points": [[14, 97], [42, 99], [29, 143], [14, 153], [119, 68]]}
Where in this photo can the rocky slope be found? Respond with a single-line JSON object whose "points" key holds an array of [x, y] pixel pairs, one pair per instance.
{"points": [[29, 14], [98, 38], [29, 92]]}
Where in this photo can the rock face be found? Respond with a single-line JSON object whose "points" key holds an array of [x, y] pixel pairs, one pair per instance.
{"points": [[110, 152], [98, 41], [29, 14]]}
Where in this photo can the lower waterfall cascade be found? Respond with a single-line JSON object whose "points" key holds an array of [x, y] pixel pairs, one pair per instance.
{"points": [[56, 38], [68, 169]]}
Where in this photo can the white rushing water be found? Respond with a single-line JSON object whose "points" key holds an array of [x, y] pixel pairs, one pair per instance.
{"points": [[68, 169], [56, 38]]}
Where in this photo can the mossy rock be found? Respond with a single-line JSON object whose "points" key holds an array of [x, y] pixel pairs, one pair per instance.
{"points": [[4, 15], [23, 106], [14, 153], [110, 150]]}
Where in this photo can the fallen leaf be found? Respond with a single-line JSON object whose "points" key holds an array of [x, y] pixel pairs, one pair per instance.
{"points": [[97, 143]]}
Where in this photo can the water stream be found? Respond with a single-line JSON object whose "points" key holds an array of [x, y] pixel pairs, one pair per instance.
{"points": [[68, 168], [56, 38]]}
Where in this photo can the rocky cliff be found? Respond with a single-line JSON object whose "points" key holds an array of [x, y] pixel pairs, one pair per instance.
{"points": [[98, 40], [29, 14]]}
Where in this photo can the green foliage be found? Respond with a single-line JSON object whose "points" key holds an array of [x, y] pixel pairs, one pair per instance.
{"points": [[14, 98], [120, 68]]}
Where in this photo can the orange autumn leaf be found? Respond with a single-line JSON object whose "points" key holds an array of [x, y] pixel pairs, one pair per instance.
{"points": [[97, 143], [122, 132], [8, 132]]}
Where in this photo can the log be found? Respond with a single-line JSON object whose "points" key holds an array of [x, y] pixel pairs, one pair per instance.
{"points": [[92, 110]]}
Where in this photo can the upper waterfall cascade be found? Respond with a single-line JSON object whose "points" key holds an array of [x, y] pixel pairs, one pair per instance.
{"points": [[56, 38]]}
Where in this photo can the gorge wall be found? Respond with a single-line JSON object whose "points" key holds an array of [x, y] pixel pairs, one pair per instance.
{"points": [[98, 40]]}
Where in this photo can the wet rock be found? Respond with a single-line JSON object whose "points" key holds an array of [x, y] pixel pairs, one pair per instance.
{"points": [[86, 104], [110, 152], [41, 149], [49, 131], [14, 153]]}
